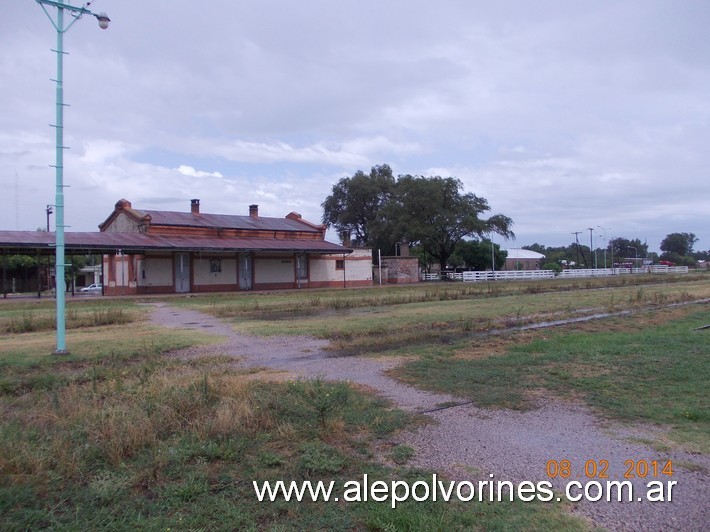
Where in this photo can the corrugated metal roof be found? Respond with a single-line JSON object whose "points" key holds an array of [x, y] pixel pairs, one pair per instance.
{"points": [[227, 221], [519, 253], [127, 242]]}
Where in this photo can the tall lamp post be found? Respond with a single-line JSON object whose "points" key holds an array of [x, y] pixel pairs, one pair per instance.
{"points": [[591, 248], [75, 14], [606, 242]]}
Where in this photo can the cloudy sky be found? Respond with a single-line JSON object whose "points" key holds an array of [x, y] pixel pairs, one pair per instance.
{"points": [[564, 115]]}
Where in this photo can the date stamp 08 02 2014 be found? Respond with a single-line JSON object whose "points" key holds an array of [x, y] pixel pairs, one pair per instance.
{"points": [[599, 469]]}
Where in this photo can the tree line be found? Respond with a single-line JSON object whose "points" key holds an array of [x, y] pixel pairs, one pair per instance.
{"points": [[440, 223], [677, 248]]}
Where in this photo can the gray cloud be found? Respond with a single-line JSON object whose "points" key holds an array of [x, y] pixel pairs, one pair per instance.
{"points": [[564, 115]]}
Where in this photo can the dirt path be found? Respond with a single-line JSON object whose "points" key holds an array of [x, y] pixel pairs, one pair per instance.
{"points": [[471, 443]]}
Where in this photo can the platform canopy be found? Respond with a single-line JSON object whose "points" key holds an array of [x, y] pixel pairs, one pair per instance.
{"points": [[43, 243]]}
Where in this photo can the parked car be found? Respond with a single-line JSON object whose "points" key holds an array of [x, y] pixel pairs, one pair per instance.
{"points": [[92, 289]]}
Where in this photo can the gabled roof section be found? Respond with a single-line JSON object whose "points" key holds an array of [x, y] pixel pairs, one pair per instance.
{"points": [[124, 206], [228, 221], [292, 222]]}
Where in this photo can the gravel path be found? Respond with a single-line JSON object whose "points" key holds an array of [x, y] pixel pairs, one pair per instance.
{"points": [[471, 443]]}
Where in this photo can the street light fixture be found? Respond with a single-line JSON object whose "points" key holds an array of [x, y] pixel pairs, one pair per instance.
{"points": [[76, 13], [49, 211]]}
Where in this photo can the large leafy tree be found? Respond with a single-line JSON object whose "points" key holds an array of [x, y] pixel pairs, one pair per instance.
{"points": [[625, 248], [435, 213], [356, 204], [679, 243], [678, 248], [432, 213]]}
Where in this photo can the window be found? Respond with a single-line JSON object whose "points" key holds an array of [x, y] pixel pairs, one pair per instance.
{"points": [[340, 264], [215, 266]]}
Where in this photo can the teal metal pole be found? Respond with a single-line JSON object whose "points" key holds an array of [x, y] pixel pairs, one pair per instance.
{"points": [[59, 266], [59, 201]]}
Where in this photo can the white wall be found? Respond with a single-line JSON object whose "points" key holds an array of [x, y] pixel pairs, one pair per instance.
{"points": [[158, 272], [358, 267], [203, 276], [274, 270]]}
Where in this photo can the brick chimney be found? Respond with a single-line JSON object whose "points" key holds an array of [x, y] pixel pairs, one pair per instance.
{"points": [[254, 211], [195, 206], [345, 238]]}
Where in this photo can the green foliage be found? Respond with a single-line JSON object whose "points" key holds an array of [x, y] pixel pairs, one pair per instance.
{"points": [[679, 243], [678, 260], [552, 266], [321, 397], [433, 212], [356, 204], [429, 211], [623, 248], [476, 254], [401, 454]]}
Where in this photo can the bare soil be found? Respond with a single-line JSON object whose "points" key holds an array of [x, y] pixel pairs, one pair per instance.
{"points": [[466, 442]]}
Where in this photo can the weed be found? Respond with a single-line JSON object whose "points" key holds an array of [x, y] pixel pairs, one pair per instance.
{"points": [[320, 458], [23, 324], [322, 397], [401, 454]]}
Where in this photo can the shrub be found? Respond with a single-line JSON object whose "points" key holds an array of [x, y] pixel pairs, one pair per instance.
{"points": [[552, 266]]}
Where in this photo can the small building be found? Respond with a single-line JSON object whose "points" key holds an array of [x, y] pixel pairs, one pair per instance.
{"points": [[163, 252], [523, 259]]}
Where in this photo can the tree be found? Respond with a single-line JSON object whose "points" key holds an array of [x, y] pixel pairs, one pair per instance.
{"points": [[476, 255], [433, 212], [427, 212], [679, 244], [622, 248], [356, 204]]}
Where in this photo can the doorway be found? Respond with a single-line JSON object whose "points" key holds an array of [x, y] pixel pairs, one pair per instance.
{"points": [[182, 273]]}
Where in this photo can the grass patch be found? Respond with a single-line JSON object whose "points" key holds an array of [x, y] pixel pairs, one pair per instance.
{"points": [[26, 362], [162, 444], [314, 301], [37, 316], [380, 319], [401, 454], [658, 372]]}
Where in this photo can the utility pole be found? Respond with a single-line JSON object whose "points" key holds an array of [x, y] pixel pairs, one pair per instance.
{"points": [[591, 248], [576, 239]]}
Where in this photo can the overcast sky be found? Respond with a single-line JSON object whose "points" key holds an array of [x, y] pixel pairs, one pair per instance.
{"points": [[563, 115]]}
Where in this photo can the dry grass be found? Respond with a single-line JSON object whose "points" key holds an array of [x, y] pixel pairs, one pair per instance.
{"points": [[115, 412]]}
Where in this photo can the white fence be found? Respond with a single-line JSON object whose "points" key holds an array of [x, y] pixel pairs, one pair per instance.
{"points": [[548, 274], [507, 275], [601, 272]]}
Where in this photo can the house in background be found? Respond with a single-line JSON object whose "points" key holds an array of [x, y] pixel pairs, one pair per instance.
{"points": [[523, 259], [204, 252]]}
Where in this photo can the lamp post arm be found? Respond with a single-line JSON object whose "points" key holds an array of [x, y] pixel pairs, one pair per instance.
{"points": [[76, 11]]}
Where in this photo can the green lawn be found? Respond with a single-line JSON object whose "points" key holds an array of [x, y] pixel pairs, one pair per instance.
{"points": [[659, 373], [120, 435]]}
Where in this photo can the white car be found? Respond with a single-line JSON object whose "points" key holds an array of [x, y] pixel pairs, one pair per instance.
{"points": [[92, 289]]}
